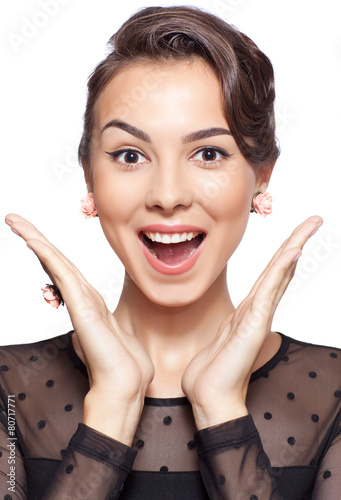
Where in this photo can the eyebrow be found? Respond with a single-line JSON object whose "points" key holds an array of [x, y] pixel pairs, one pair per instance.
{"points": [[140, 134]]}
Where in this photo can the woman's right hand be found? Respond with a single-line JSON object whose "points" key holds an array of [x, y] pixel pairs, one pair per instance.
{"points": [[119, 368]]}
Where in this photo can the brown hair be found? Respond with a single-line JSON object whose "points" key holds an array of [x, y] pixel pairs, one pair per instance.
{"points": [[161, 34]]}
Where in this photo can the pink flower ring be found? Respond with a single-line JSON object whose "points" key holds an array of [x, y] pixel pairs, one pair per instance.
{"points": [[52, 295]]}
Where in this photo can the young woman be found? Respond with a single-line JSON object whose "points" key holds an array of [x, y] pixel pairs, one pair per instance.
{"points": [[177, 394]]}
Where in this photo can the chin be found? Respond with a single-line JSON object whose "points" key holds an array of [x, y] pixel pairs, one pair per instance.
{"points": [[173, 295]]}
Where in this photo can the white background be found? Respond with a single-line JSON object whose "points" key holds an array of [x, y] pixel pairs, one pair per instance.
{"points": [[43, 86]]}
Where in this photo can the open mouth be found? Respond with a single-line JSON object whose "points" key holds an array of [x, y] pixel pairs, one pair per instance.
{"points": [[172, 249]]}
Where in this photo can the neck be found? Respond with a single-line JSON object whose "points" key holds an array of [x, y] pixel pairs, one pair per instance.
{"points": [[173, 335]]}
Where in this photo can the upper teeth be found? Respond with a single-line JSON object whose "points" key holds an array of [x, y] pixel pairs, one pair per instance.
{"points": [[171, 238]]}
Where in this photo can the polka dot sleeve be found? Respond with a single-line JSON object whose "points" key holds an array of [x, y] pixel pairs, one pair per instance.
{"points": [[233, 463], [328, 479], [94, 466]]}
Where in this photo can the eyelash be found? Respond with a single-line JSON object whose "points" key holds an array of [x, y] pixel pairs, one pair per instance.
{"points": [[202, 163]]}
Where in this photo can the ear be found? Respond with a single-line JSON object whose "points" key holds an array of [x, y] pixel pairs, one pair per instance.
{"points": [[263, 176]]}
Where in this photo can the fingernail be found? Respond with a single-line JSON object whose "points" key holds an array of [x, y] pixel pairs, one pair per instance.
{"points": [[16, 232], [297, 257], [9, 222]]}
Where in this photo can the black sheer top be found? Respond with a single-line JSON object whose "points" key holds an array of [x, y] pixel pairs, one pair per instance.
{"points": [[288, 446]]}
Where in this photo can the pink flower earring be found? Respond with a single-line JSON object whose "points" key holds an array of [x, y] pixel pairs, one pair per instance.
{"points": [[262, 204], [88, 206]]}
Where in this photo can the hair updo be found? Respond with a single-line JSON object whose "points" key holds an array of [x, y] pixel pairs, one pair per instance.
{"points": [[161, 34]]}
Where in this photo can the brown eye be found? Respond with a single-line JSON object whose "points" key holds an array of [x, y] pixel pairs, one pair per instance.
{"points": [[209, 155], [127, 156], [131, 157]]}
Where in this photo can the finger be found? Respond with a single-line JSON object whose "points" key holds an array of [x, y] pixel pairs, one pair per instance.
{"points": [[285, 283], [19, 224], [253, 324], [272, 287], [77, 293], [28, 231], [298, 238]]}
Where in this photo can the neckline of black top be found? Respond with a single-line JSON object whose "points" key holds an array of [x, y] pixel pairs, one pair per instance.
{"points": [[180, 401]]}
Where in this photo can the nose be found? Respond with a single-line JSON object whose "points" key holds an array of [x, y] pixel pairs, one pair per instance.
{"points": [[170, 188]]}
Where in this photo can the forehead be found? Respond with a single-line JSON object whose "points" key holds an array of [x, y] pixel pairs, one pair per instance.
{"points": [[150, 87]]}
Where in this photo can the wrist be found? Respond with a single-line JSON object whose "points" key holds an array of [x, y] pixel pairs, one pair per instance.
{"points": [[208, 416], [116, 419]]}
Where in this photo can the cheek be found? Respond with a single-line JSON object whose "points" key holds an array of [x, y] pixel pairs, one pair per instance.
{"points": [[116, 199], [227, 194]]}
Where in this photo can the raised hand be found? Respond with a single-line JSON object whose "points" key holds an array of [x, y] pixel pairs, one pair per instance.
{"points": [[118, 366], [217, 378]]}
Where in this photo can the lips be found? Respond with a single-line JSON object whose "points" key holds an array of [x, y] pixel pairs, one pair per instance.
{"points": [[172, 249]]}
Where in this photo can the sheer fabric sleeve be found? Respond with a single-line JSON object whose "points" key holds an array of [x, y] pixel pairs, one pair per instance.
{"points": [[233, 464], [94, 466], [328, 479]]}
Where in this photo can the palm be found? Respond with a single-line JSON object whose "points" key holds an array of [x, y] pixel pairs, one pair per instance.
{"points": [[218, 376], [115, 359]]}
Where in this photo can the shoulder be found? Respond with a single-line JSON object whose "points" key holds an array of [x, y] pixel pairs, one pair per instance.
{"points": [[323, 353], [22, 364], [317, 367], [47, 348]]}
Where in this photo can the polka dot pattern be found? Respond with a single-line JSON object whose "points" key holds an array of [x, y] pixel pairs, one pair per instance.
{"points": [[69, 469], [167, 420], [221, 479], [286, 399], [191, 445]]}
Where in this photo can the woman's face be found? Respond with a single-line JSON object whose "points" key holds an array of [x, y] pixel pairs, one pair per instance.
{"points": [[172, 190]]}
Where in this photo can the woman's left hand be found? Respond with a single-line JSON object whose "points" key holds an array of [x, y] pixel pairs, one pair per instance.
{"points": [[216, 380]]}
